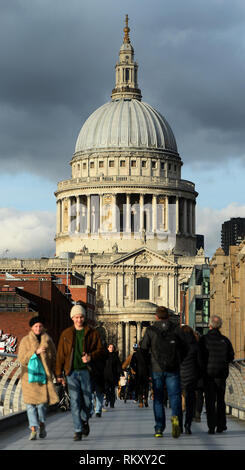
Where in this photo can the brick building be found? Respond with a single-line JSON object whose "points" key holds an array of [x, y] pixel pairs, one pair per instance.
{"points": [[23, 296]]}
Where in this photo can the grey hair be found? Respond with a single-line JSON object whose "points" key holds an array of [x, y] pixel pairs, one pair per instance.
{"points": [[215, 322]]}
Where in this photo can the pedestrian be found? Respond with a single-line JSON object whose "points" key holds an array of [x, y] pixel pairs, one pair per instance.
{"points": [[36, 355], [131, 390], [140, 365], [163, 342], [190, 373], [112, 373], [78, 350], [217, 353], [98, 386]]}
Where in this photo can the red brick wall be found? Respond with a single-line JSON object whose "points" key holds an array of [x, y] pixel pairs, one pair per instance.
{"points": [[16, 324]]}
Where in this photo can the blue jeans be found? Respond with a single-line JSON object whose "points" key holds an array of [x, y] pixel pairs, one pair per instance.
{"points": [[172, 382], [36, 414], [80, 391]]}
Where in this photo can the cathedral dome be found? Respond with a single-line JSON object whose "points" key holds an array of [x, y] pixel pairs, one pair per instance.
{"points": [[126, 123]]}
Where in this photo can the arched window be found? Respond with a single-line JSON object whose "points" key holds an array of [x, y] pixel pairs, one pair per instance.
{"points": [[143, 288]]}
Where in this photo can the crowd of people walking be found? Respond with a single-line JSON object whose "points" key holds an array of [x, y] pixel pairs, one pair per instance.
{"points": [[172, 364]]}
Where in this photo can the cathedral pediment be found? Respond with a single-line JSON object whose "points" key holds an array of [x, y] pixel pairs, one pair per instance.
{"points": [[145, 257]]}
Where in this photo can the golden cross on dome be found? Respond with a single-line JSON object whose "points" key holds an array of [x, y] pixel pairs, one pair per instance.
{"points": [[126, 31]]}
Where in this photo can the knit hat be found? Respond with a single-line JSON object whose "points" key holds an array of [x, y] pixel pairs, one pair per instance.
{"points": [[36, 319], [77, 310]]}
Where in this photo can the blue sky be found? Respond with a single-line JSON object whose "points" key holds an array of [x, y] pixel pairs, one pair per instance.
{"points": [[57, 66]]}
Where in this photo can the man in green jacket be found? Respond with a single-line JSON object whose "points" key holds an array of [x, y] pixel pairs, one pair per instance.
{"points": [[78, 349]]}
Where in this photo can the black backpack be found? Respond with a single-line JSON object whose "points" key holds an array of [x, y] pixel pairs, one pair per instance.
{"points": [[166, 349]]}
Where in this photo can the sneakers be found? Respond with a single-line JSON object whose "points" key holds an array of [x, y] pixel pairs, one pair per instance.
{"points": [[158, 433], [176, 431], [33, 436], [77, 436]]}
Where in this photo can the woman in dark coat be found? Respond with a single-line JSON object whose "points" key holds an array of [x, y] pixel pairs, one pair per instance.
{"points": [[112, 372], [190, 373], [139, 364]]}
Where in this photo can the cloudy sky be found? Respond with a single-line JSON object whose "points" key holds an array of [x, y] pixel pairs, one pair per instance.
{"points": [[57, 63]]}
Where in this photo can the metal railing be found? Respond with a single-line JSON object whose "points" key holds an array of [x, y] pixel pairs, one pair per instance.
{"points": [[11, 394], [10, 385]]}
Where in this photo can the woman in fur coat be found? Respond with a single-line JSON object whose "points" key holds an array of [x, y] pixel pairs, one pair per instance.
{"points": [[36, 395]]}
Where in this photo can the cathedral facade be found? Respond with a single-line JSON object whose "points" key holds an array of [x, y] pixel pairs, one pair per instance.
{"points": [[125, 218], [125, 215]]}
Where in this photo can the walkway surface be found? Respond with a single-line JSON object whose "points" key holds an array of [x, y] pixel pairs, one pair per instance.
{"points": [[126, 427]]}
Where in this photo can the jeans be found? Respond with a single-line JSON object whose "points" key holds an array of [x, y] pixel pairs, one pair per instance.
{"points": [[99, 398], [80, 391], [172, 381], [36, 414]]}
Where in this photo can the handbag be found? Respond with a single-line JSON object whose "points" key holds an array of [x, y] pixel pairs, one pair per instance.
{"points": [[36, 372]]}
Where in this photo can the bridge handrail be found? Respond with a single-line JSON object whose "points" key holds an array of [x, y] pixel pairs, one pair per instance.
{"points": [[11, 394], [10, 385]]}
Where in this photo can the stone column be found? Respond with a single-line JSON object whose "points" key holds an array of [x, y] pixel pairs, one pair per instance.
{"points": [[194, 217], [166, 214], [58, 217], [177, 213], [114, 213], [138, 334], [78, 214], [128, 214], [154, 213], [69, 214], [141, 212], [101, 214], [89, 214], [127, 339], [185, 217], [190, 217], [120, 341]]}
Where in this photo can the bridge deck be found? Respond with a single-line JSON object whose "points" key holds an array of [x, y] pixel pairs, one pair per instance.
{"points": [[126, 427]]}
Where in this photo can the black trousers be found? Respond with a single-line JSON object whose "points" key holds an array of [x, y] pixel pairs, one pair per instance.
{"points": [[189, 406], [214, 390]]}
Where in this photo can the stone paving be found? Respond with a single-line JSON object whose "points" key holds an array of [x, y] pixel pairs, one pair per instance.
{"points": [[126, 427]]}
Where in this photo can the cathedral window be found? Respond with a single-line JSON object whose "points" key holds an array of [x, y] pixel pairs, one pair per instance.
{"points": [[126, 290], [122, 163], [101, 164], [144, 164], [111, 163], [153, 165], [91, 164], [133, 163], [84, 166], [143, 288]]}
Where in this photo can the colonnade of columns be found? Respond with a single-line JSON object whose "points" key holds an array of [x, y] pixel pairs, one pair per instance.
{"points": [[129, 332], [100, 213]]}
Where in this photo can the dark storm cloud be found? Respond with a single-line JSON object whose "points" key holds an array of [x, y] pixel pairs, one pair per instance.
{"points": [[57, 63]]}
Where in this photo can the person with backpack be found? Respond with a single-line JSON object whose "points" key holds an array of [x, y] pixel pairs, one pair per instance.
{"points": [[163, 342], [217, 352]]}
